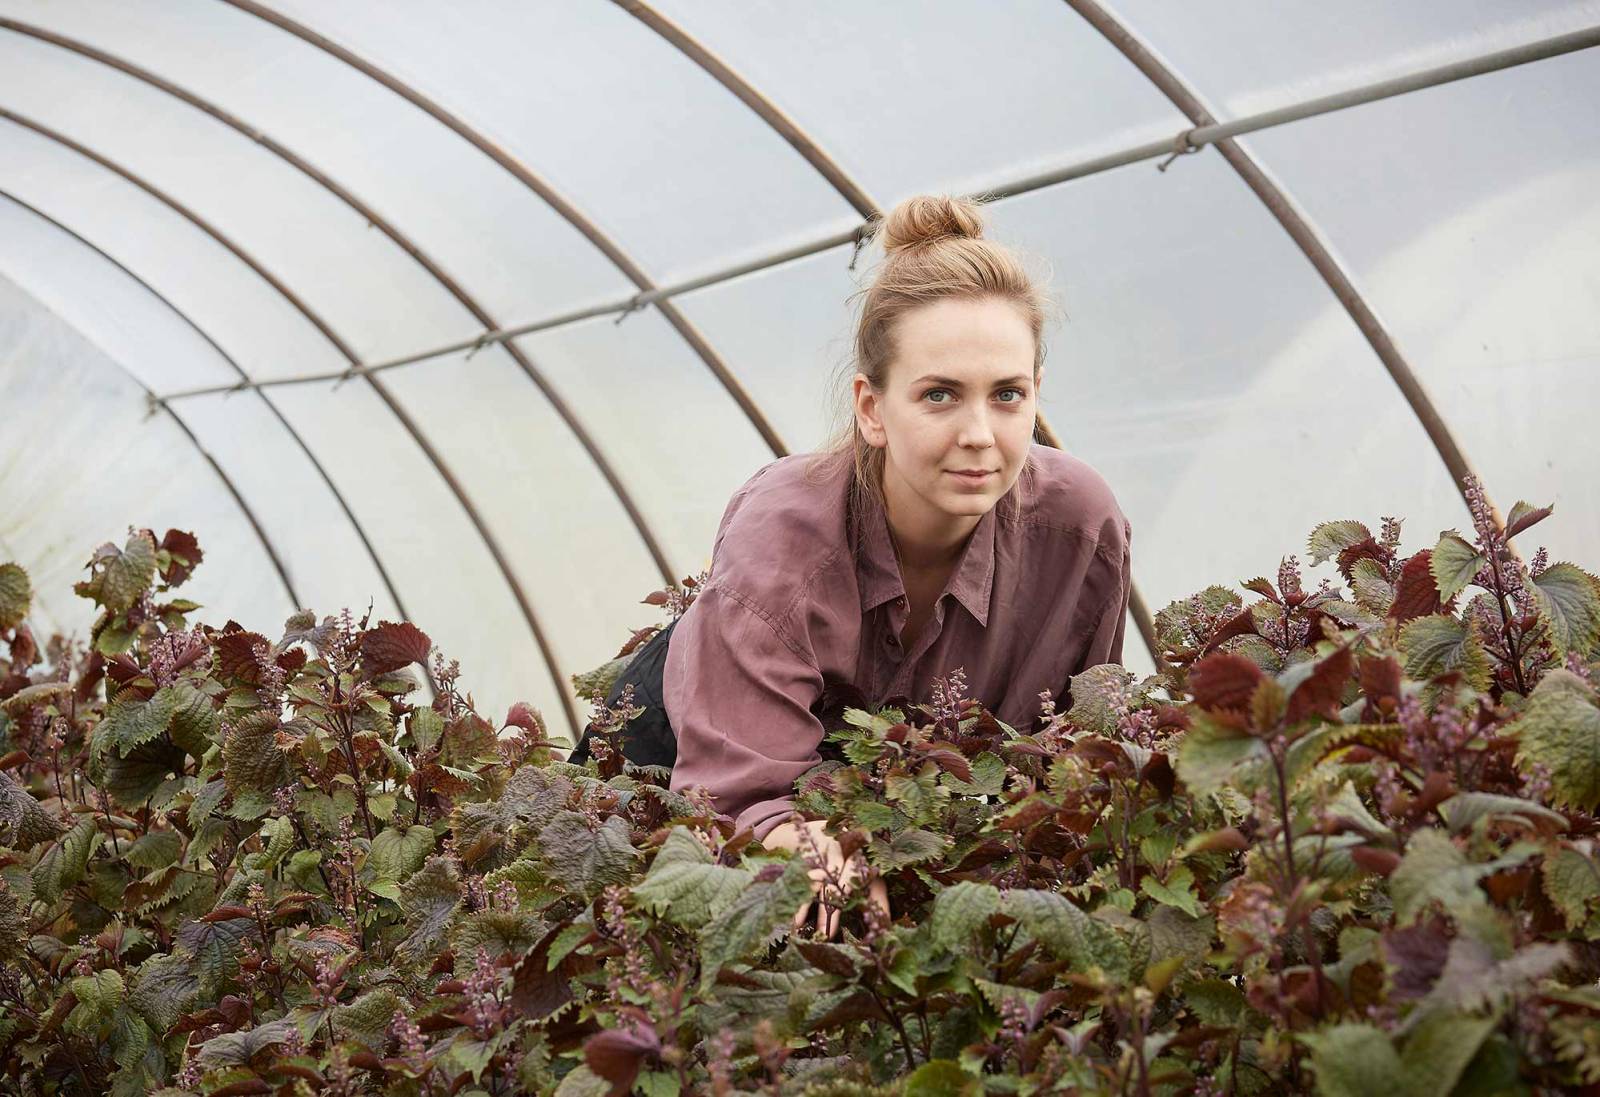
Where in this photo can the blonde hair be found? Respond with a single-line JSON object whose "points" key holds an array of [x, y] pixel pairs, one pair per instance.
{"points": [[934, 249]]}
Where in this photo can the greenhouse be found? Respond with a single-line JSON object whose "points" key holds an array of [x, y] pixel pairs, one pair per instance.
{"points": [[476, 316]]}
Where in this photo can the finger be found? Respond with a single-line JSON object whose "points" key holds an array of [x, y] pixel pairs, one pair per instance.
{"points": [[822, 919], [878, 893], [833, 923], [799, 918]]}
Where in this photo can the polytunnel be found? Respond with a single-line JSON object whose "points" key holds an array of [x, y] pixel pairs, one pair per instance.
{"points": [[480, 312]]}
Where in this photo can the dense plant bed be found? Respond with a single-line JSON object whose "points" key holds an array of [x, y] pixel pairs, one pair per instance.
{"points": [[1344, 841]]}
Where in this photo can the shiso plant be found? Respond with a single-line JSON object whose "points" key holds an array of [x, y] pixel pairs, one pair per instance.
{"points": [[1343, 841]]}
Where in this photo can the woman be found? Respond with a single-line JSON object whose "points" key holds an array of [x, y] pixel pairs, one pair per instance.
{"points": [[933, 534]]}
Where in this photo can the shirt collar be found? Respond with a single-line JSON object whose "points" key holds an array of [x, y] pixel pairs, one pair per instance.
{"points": [[878, 572]]}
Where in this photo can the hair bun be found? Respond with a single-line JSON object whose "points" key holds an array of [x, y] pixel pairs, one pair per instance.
{"points": [[925, 218]]}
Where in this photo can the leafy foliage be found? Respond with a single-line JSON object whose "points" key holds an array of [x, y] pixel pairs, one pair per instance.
{"points": [[1343, 841]]}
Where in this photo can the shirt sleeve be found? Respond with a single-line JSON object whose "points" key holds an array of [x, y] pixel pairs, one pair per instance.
{"points": [[738, 694], [1107, 627]]}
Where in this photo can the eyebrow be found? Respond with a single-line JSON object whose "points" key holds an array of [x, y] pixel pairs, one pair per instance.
{"points": [[953, 383]]}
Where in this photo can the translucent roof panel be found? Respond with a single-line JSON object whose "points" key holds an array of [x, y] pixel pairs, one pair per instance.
{"points": [[422, 534], [585, 94], [1204, 369], [287, 223], [108, 307], [680, 441], [555, 515], [911, 96], [503, 243], [120, 468], [261, 330], [145, 338], [1244, 56], [788, 331], [1468, 216]]}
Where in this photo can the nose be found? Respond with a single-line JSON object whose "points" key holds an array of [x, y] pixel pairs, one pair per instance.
{"points": [[975, 431]]}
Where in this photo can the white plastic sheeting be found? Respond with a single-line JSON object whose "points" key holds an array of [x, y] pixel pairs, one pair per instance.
{"points": [[545, 158]]}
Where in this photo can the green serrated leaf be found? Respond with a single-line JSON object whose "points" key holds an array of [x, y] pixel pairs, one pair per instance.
{"points": [[99, 995], [1433, 868], [163, 989], [23, 822], [1572, 880], [685, 886], [760, 913], [1211, 753], [909, 847], [194, 721], [1438, 643], [587, 860], [1570, 598], [1438, 1050], [1354, 1060], [1465, 809], [396, 853], [131, 721], [1329, 539], [1068, 933], [1216, 1002], [252, 765], [1177, 891], [63, 863], [124, 573], [1371, 587], [961, 914], [1560, 728], [206, 799], [368, 1017], [1096, 695], [158, 849], [215, 948], [1453, 563], [132, 780], [988, 777], [15, 595], [431, 898]]}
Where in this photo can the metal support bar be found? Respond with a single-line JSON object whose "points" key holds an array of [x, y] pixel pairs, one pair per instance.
{"points": [[1151, 150], [502, 562]]}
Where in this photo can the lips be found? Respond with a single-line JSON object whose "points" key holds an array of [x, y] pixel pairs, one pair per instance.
{"points": [[979, 475]]}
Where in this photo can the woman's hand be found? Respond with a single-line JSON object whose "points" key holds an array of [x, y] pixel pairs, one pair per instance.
{"points": [[848, 873]]}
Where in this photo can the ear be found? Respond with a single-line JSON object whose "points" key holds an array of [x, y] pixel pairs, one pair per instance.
{"points": [[869, 420]]}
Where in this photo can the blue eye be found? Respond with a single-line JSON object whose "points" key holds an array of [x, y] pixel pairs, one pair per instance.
{"points": [[1021, 394]]}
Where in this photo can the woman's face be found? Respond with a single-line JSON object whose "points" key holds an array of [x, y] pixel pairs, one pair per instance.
{"points": [[960, 396]]}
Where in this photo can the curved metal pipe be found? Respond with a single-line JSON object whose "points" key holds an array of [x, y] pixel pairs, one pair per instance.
{"points": [[1299, 228], [372, 552], [468, 507], [227, 482], [382, 224], [557, 202]]}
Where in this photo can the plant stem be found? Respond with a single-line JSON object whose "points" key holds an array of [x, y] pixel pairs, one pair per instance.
{"points": [[1283, 812], [899, 1026]]}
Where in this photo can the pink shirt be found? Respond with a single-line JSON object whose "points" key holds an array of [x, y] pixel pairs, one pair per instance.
{"points": [[1039, 594]]}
